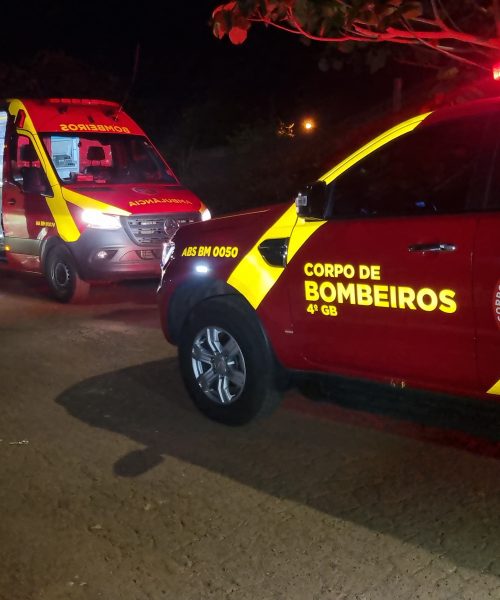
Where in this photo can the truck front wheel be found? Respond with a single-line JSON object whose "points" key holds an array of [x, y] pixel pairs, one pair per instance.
{"points": [[62, 276], [226, 362]]}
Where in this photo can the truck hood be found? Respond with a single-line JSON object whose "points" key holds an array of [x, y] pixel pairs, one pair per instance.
{"points": [[138, 198], [256, 220], [241, 230]]}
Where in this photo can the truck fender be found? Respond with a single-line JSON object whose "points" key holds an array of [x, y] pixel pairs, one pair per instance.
{"points": [[192, 292], [189, 294]]}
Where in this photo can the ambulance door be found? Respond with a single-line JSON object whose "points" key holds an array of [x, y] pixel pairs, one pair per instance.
{"points": [[26, 215], [486, 279], [3, 128], [383, 287]]}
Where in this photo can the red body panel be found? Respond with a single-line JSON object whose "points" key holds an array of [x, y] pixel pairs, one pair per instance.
{"points": [[241, 231], [49, 115], [191, 262], [143, 198], [397, 340], [486, 282]]}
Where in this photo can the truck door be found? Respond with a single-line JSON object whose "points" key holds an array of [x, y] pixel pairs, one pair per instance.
{"points": [[383, 287], [486, 278], [25, 210]]}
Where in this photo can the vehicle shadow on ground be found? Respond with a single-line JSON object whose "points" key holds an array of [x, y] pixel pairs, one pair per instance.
{"points": [[419, 492], [22, 285], [141, 291]]}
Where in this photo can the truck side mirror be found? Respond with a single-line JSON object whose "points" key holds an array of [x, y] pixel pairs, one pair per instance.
{"points": [[311, 201]]}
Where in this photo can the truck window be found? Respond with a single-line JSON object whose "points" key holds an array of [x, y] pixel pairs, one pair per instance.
{"points": [[424, 172], [493, 197], [97, 158]]}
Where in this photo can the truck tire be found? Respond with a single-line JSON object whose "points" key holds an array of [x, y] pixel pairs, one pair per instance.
{"points": [[62, 276], [226, 362]]}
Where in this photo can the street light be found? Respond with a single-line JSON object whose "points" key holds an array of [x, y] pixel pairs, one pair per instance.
{"points": [[308, 124]]}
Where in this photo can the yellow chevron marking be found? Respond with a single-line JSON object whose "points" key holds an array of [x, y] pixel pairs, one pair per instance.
{"points": [[495, 389], [373, 145], [253, 277]]}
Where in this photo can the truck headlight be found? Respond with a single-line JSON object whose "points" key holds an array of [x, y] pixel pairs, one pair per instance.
{"points": [[167, 253], [99, 220], [205, 214]]}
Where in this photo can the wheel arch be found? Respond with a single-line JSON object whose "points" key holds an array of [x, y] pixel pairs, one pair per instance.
{"points": [[48, 245], [187, 295], [192, 292]]}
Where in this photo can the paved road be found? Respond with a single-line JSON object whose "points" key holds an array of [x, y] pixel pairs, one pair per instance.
{"points": [[112, 486]]}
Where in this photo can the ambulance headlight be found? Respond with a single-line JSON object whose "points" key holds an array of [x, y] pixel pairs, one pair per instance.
{"points": [[99, 220], [205, 214]]}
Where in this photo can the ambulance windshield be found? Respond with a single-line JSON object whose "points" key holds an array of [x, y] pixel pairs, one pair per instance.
{"points": [[105, 159]]}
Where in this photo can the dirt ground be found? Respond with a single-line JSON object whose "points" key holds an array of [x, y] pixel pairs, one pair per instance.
{"points": [[112, 485]]}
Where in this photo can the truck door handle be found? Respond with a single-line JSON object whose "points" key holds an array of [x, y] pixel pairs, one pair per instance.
{"points": [[438, 247], [11, 202]]}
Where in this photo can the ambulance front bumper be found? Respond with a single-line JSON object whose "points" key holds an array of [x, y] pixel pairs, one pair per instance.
{"points": [[113, 256]]}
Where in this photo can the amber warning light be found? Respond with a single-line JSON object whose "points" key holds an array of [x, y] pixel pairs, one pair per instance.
{"points": [[496, 71]]}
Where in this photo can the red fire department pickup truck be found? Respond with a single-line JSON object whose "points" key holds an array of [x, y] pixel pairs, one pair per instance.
{"points": [[387, 268], [84, 194]]}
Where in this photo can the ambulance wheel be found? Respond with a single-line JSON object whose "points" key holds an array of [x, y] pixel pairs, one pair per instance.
{"points": [[63, 279], [226, 362]]}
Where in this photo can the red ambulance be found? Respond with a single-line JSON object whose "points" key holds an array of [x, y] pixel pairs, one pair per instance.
{"points": [[85, 196], [387, 268]]}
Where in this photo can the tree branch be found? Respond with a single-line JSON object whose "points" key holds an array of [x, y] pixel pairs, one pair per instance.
{"points": [[496, 14], [435, 30], [444, 51]]}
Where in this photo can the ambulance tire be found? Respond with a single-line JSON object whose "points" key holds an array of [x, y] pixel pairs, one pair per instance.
{"points": [[62, 276], [251, 380]]}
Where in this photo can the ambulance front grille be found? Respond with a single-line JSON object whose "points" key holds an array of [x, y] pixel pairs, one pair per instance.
{"points": [[147, 230]]}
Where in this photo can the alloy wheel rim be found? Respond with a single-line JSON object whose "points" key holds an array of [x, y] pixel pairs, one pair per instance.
{"points": [[218, 365]]}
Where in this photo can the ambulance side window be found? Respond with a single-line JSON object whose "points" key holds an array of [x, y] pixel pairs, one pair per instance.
{"points": [[26, 169], [427, 171], [3, 127]]}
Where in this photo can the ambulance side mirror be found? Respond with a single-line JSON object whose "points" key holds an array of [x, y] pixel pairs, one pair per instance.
{"points": [[34, 181], [311, 201]]}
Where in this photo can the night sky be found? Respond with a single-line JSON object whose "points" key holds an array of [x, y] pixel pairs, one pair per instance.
{"points": [[213, 109], [181, 64]]}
